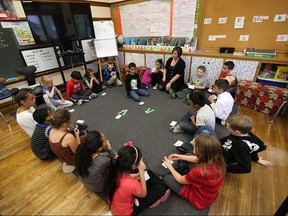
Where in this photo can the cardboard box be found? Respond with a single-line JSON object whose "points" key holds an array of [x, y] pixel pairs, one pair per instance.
{"points": [[281, 73]]}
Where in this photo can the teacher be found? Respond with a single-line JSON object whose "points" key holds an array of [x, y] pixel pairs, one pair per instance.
{"points": [[173, 74]]}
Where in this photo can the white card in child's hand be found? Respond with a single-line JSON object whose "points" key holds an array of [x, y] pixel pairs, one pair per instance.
{"points": [[173, 123], [146, 175], [191, 86], [118, 117], [141, 103], [103, 93], [210, 90], [72, 110], [80, 121], [178, 143], [163, 164]]}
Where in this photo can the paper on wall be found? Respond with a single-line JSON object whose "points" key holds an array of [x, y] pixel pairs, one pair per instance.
{"points": [[207, 21], [222, 20], [244, 38], [257, 19], [280, 17], [239, 22], [211, 38], [282, 38]]}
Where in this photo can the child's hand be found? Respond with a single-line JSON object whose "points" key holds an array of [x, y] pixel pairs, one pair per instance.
{"points": [[113, 73], [167, 162], [141, 166], [135, 175], [193, 119], [211, 99], [264, 162], [174, 157], [77, 132], [108, 145]]}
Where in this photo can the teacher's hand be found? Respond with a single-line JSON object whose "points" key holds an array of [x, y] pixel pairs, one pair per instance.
{"points": [[164, 79], [168, 86]]}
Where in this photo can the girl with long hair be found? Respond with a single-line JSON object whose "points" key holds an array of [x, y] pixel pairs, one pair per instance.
{"points": [[92, 160], [89, 81], [127, 193], [201, 185]]}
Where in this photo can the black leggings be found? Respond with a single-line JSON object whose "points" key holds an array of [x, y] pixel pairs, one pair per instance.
{"points": [[155, 190]]}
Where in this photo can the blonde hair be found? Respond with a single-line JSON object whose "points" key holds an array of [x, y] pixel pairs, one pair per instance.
{"points": [[241, 123], [45, 80], [209, 151]]}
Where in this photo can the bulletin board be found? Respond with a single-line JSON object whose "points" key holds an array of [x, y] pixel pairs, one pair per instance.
{"points": [[262, 35]]}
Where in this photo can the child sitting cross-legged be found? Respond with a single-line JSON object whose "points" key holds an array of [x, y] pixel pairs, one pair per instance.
{"points": [[153, 76], [89, 81], [39, 141], [242, 146], [128, 192], [202, 183], [52, 96], [132, 84], [111, 75]]}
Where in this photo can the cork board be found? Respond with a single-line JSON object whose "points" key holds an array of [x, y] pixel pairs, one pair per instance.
{"points": [[262, 35]]}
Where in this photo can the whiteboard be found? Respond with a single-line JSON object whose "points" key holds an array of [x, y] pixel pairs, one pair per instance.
{"points": [[104, 30], [89, 50], [106, 48], [43, 59]]}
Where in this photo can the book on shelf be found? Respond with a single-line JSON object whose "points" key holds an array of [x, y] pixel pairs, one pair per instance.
{"points": [[281, 73], [260, 51]]}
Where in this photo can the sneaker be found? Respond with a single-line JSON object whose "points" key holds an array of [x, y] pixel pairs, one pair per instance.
{"points": [[155, 87], [103, 87], [162, 199], [93, 95], [79, 103], [85, 100], [176, 129], [172, 94], [67, 168]]}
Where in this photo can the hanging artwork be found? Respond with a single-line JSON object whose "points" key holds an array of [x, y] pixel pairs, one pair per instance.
{"points": [[7, 10]]}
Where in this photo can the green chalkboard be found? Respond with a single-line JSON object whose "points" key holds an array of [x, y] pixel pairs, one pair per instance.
{"points": [[10, 55]]}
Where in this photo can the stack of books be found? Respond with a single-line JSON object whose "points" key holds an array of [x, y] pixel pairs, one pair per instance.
{"points": [[259, 52]]}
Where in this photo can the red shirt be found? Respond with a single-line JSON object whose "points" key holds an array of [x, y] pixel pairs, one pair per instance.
{"points": [[202, 190], [223, 75], [73, 88], [124, 196]]}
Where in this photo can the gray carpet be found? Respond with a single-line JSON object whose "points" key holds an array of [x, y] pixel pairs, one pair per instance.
{"points": [[149, 132]]}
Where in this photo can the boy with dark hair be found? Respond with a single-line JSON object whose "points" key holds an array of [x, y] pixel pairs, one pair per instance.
{"points": [[227, 67], [222, 107], [39, 142], [132, 84], [241, 146], [26, 101], [75, 91], [194, 119], [111, 75]]}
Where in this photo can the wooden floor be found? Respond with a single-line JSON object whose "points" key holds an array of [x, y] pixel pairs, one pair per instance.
{"points": [[31, 186]]}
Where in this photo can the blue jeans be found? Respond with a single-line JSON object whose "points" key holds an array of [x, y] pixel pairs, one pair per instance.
{"points": [[186, 125], [205, 129], [135, 94]]}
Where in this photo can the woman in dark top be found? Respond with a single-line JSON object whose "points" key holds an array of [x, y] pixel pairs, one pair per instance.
{"points": [[173, 74]]}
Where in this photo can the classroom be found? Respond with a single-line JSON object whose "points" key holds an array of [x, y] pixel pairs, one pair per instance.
{"points": [[56, 42]]}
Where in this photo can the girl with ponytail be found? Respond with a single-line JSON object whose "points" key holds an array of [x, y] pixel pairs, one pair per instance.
{"points": [[93, 159], [127, 193]]}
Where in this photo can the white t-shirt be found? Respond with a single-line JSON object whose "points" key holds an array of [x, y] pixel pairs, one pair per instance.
{"points": [[205, 115], [26, 121], [223, 106]]}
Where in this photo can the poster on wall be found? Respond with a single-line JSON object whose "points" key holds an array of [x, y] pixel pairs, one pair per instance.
{"points": [[7, 10], [23, 33]]}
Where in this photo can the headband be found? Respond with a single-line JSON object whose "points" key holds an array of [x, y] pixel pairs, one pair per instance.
{"points": [[129, 143]]}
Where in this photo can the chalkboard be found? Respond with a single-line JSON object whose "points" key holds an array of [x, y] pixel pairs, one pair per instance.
{"points": [[105, 42], [43, 59], [10, 56]]}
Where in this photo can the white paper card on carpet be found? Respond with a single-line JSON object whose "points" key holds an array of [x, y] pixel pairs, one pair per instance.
{"points": [[178, 143], [103, 94], [163, 164], [118, 117], [72, 110], [173, 123], [146, 175], [80, 121]]}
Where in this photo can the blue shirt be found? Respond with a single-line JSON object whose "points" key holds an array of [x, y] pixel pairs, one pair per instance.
{"points": [[107, 73], [55, 96]]}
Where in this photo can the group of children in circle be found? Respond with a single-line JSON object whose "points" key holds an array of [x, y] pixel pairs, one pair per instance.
{"points": [[121, 177]]}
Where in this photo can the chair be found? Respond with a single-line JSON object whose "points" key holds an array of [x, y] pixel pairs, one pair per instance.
{"points": [[29, 73], [5, 93], [278, 111]]}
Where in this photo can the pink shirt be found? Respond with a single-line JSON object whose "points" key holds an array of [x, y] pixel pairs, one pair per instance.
{"points": [[146, 78], [124, 196], [202, 190]]}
